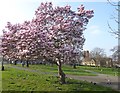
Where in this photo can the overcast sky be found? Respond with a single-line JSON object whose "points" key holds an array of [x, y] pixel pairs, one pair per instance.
{"points": [[97, 32]]}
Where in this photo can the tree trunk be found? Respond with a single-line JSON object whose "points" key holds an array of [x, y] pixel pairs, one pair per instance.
{"points": [[10, 62], [15, 62], [2, 69], [74, 66], [61, 73], [27, 64], [23, 64]]}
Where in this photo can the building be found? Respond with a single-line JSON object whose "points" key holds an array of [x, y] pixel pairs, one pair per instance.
{"points": [[89, 61]]}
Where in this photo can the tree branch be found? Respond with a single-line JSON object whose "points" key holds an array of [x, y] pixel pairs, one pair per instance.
{"points": [[113, 4], [113, 30]]}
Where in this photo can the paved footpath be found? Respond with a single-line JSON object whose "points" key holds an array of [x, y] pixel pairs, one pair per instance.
{"points": [[100, 79]]}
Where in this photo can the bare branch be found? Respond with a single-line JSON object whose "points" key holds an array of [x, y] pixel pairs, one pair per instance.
{"points": [[113, 4], [113, 17], [117, 9], [113, 31], [117, 21]]}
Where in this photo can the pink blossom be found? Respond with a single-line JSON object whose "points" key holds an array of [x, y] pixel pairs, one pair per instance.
{"points": [[52, 34]]}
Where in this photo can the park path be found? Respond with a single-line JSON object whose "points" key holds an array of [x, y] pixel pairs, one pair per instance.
{"points": [[100, 79]]}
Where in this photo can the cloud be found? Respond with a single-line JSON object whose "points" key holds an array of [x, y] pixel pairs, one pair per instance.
{"points": [[94, 30]]}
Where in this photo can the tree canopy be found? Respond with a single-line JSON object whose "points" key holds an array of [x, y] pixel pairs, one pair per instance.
{"points": [[54, 34]]}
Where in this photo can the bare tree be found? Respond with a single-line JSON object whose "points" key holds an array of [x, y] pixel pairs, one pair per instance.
{"points": [[115, 31], [98, 54], [115, 55]]}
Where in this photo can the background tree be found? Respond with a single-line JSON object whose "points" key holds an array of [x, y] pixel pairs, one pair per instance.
{"points": [[115, 54], [98, 54], [55, 34], [115, 31]]}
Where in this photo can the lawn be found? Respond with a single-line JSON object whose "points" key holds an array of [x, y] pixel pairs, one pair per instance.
{"points": [[102, 70], [20, 80], [81, 70], [66, 69], [0, 81]]}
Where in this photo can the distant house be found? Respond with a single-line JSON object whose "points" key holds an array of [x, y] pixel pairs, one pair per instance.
{"points": [[104, 62], [90, 62]]}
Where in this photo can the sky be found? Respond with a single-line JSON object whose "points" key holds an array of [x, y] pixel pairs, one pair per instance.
{"points": [[97, 32]]}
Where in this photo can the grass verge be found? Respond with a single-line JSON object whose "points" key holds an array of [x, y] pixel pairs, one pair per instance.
{"points": [[102, 70], [20, 80], [67, 70]]}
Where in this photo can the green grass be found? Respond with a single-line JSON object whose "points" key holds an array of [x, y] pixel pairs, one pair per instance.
{"points": [[102, 70], [81, 70], [0, 81], [66, 69], [20, 80]]}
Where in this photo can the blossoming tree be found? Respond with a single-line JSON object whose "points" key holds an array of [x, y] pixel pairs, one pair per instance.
{"points": [[55, 34]]}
